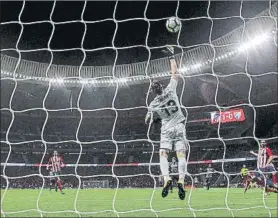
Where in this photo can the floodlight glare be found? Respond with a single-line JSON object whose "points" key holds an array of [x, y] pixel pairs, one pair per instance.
{"points": [[257, 40], [59, 81], [254, 42], [196, 66], [84, 81], [122, 80]]}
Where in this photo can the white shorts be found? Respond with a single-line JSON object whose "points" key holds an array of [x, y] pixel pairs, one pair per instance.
{"points": [[174, 136]]}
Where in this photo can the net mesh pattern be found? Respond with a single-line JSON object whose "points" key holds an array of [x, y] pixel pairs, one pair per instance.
{"points": [[185, 72]]}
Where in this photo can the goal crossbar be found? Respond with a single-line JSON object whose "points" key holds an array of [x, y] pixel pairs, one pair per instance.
{"points": [[135, 164]]}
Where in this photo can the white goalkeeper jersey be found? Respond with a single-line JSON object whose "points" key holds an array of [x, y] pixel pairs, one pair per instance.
{"points": [[167, 106]]}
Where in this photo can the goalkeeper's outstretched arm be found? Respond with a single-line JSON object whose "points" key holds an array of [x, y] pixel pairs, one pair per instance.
{"points": [[170, 52], [174, 68]]}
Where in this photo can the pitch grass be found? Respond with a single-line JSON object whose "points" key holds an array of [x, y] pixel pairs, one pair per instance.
{"points": [[205, 203]]}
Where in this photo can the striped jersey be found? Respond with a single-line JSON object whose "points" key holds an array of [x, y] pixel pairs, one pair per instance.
{"points": [[55, 162], [167, 106], [263, 155]]}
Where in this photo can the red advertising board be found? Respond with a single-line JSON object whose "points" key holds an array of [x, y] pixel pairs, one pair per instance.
{"points": [[229, 116]]}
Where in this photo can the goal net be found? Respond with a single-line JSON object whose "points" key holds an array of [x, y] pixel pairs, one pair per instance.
{"points": [[76, 78]]}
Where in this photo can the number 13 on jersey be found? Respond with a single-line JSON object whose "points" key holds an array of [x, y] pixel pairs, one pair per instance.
{"points": [[170, 107]]}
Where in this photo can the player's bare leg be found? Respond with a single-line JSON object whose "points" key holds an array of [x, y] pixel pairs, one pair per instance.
{"points": [[171, 187], [266, 191], [56, 185], [59, 183], [208, 183], [182, 166], [247, 185], [164, 167], [270, 186], [52, 183]]}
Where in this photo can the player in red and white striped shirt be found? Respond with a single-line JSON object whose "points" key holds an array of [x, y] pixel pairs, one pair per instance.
{"points": [[264, 162], [56, 163]]}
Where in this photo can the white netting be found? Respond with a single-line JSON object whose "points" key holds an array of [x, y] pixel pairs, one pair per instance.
{"points": [[193, 63]]}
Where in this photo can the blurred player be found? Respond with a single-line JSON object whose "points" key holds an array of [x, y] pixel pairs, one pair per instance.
{"points": [[174, 170], [247, 178], [264, 161], [244, 176], [243, 171], [251, 180], [56, 163], [270, 186], [52, 180], [262, 180], [166, 105], [196, 181], [210, 170]]}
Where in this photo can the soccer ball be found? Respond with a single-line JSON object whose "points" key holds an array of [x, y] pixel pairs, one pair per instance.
{"points": [[173, 24]]}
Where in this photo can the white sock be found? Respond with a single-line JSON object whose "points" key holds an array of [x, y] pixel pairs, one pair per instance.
{"points": [[182, 168], [164, 167]]}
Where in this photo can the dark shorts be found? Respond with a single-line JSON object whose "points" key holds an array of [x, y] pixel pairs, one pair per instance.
{"points": [[269, 183], [175, 178], [208, 180], [56, 175], [267, 169]]}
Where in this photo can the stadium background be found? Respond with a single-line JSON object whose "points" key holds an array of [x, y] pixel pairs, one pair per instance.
{"points": [[98, 125]]}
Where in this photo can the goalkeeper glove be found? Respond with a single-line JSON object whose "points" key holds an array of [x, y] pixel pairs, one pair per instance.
{"points": [[169, 51]]}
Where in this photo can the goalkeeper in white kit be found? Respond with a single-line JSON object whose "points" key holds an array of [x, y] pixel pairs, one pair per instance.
{"points": [[166, 105]]}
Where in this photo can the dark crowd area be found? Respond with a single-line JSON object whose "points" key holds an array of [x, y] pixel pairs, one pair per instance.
{"points": [[30, 176]]}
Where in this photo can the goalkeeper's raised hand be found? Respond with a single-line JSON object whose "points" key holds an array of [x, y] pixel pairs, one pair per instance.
{"points": [[169, 51]]}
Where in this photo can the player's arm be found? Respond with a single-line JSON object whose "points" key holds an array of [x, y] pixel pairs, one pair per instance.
{"points": [[62, 162], [252, 152], [270, 156], [48, 164], [148, 117], [241, 172], [174, 68], [169, 51]]}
